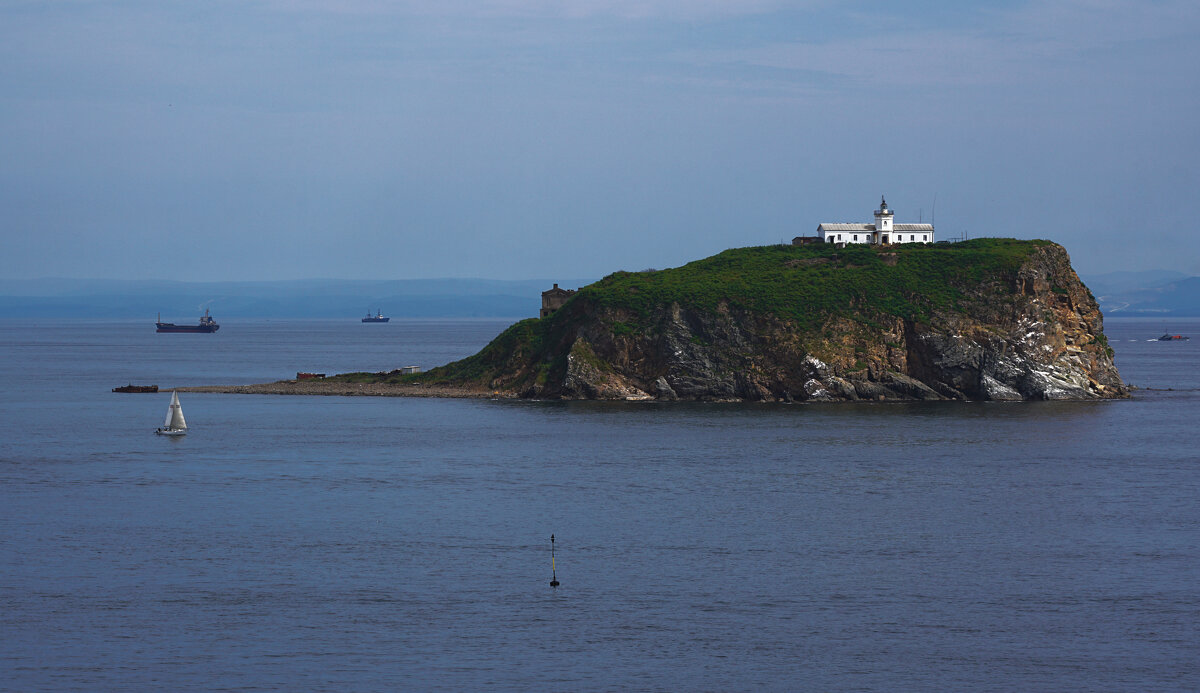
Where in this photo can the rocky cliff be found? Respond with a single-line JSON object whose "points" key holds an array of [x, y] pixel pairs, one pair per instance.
{"points": [[991, 319]]}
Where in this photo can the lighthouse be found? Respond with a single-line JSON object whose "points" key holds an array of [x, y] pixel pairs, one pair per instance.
{"points": [[883, 220], [882, 232]]}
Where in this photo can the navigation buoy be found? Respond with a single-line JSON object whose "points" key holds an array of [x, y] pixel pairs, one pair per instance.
{"points": [[553, 574]]}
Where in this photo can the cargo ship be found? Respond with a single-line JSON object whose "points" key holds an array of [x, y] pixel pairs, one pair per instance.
{"points": [[207, 324], [378, 317]]}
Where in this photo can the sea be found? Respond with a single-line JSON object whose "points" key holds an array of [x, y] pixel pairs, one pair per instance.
{"points": [[383, 544]]}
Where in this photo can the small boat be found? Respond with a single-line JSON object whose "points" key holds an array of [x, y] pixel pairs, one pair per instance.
{"points": [[174, 425], [378, 317], [1172, 337], [207, 324], [136, 388]]}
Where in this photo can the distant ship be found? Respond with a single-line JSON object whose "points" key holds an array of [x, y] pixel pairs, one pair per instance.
{"points": [[207, 324], [1172, 337], [378, 317]]}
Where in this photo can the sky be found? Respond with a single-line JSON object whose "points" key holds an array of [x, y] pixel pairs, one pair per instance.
{"points": [[513, 139]]}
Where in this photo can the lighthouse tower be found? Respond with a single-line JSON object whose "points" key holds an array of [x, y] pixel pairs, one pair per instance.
{"points": [[883, 221]]}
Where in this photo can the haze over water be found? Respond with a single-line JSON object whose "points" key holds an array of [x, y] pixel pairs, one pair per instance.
{"points": [[332, 543]]}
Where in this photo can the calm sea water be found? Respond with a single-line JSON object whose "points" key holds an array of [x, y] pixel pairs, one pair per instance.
{"points": [[339, 544]]}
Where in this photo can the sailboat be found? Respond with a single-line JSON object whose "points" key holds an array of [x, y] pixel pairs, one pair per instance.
{"points": [[174, 425]]}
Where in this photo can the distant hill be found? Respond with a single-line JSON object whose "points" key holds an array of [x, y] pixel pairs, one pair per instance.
{"points": [[1146, 294], [311, 298], [1131, 294], [1126, 281]]}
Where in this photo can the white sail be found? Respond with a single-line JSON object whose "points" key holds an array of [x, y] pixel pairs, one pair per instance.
{"points": [[175, 419], [174, 425]]}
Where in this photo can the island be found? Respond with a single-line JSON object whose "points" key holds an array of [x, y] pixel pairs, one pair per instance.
{"points": [[980, 320]]}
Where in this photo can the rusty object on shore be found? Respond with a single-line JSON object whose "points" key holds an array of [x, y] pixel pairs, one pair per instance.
{"points": [[136, 388]]}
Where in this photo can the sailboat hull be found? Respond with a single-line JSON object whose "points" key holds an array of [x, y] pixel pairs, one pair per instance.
{"points": [[169, 432]]}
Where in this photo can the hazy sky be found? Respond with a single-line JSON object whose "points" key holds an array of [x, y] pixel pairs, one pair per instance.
{"points": [[558, 138]]}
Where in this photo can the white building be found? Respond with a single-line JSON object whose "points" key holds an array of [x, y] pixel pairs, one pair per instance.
{"points": [[883, 231]]}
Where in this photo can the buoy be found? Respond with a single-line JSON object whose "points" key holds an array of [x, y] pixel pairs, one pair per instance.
{"points": [[553, 574]]}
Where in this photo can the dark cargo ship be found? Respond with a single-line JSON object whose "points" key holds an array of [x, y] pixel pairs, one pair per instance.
{"points": [[378, 317], [207, 324]]}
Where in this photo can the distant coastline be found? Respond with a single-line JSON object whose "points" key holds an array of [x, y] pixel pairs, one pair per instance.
{"points": [[308, 299], [344, 389], [1154, 293]]}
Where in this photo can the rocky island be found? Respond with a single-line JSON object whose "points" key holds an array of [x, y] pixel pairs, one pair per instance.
{"points": [[986, 319]]}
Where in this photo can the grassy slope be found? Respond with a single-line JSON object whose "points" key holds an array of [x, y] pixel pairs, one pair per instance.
{"points": [[809, 284], [806, 285]]}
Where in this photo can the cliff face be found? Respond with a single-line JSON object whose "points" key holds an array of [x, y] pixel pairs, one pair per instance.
{"points": [[1013, 324]]}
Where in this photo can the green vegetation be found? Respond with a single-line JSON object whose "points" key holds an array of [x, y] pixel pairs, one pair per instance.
{"points": [[522, 341], [1102, 340], [810, 284], [623, 328]]}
